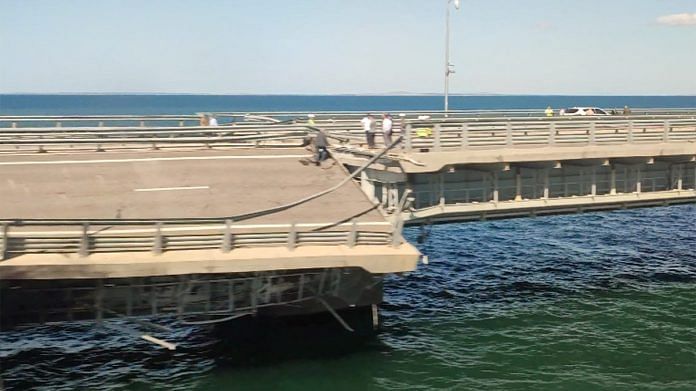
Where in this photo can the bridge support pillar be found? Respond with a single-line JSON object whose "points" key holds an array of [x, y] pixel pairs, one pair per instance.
{"points": [[639, 184], [546, 183], [680, 176], [441, 190], [612, 180], [496, 192], [593, 186], [518, 184]]}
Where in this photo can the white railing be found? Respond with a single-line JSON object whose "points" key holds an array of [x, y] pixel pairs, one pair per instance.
{"points": [[85, 237], [448, 135]]}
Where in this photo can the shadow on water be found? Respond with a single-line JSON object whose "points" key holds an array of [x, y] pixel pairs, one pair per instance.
{"points": [[106, 359], [263, 341]]}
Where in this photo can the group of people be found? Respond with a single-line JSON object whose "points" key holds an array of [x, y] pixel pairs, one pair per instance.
{"points": [[369, 124]]}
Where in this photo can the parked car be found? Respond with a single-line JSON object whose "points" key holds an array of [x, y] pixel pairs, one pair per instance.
{"points": [[583, 111]]}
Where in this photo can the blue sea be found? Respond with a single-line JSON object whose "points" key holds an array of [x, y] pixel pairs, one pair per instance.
{"points": [[190, 104], [597, 301]]}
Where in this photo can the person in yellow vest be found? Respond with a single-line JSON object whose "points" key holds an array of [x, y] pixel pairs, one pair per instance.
{"points": [[549, 111]]}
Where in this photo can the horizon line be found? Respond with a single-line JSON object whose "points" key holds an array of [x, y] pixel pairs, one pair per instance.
{"points": [[390, 94]]}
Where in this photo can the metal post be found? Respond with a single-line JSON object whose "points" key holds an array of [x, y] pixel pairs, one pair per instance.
{"points": [[593, 132], [465, 136], [508, 133], [352, 239], [227, 238], [448, 68], [552, 133], [5, 244], [447, 57], [630, 131], [546, 183], [639, 185], [665, 136], [436, 138], [157, 241], [84, 241], [292, 237]]}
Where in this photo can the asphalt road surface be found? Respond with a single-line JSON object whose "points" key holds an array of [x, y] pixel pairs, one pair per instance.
{"points": [[161, 184]]}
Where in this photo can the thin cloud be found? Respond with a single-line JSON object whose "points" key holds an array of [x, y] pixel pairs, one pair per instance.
{"points": [[678, 20]]}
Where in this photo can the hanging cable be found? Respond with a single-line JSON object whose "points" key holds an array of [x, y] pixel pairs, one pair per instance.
{"points": [[265, 212]]}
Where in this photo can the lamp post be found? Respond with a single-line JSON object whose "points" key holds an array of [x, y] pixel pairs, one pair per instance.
{"points": [[448, 67]]}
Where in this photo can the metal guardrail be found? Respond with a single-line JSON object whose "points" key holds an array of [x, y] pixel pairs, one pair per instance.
{"points": [[446, 135], [87, 237], [230, 118], [98, 138], [432, 134]]}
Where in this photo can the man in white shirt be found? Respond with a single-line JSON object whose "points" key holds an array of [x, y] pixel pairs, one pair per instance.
{"points": [[368, 123], [213, 121], [387, 125]]}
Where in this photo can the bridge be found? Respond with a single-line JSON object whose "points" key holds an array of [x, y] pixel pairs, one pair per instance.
{"points": [[142, 216]]}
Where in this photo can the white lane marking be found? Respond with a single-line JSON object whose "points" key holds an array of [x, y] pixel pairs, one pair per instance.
{"points": [[174, 188], [153, 159]]}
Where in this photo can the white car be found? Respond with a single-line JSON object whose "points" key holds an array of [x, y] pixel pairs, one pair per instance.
{"points": [[583, 111]]}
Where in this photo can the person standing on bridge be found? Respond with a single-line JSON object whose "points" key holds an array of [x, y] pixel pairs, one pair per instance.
{"points": [[321, 151], [387, 126], [213, 121], [368, 123], [204, 121], [549, 111]]}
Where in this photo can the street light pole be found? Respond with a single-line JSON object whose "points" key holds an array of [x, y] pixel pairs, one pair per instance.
{"points": [[448, 66]]}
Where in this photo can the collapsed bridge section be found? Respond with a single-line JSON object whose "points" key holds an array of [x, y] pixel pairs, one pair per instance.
{"points": [[207, 234]]}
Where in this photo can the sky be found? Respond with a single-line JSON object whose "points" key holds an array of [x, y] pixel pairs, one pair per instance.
{"points": [[590, 47]]}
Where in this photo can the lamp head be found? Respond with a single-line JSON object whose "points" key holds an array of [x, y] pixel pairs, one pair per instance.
{"points": [[457, 3]]}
